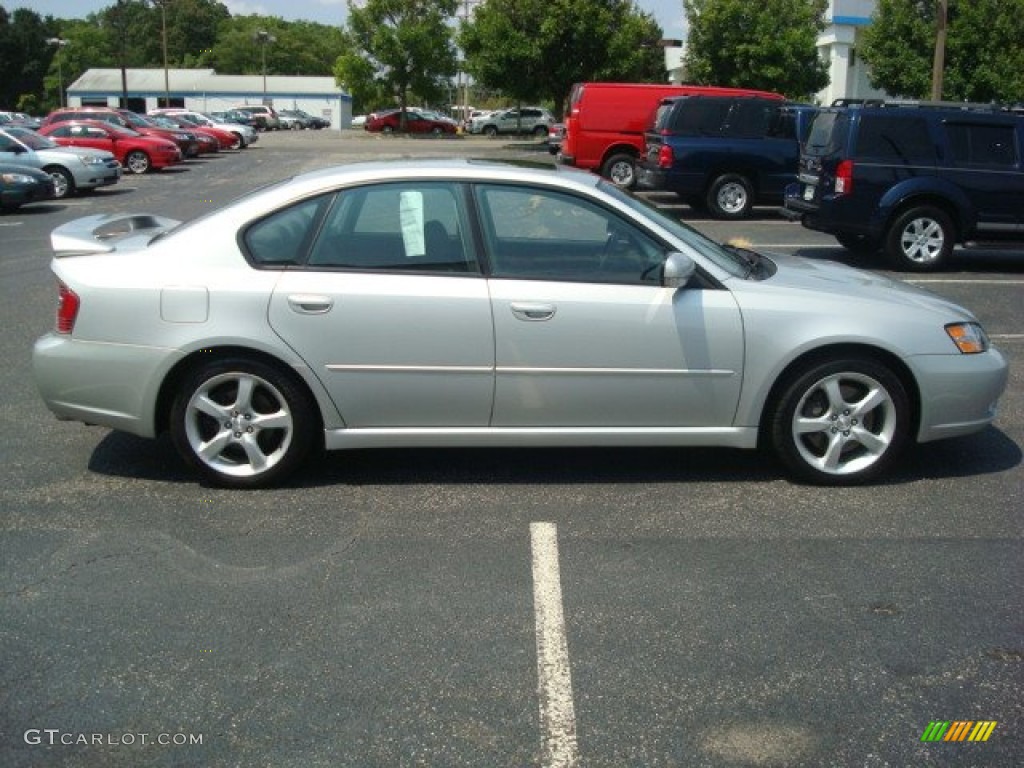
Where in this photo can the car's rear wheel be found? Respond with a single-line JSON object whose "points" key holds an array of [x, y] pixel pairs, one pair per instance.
{"points": [[920, 239], [490, 130], [540, 131], [620, 170], [63, 181], [242, 423], [137, 161], [387, 129], [730, 196], [841, 422]]}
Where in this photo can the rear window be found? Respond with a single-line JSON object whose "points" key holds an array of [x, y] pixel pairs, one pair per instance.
{"points": [[700, 117], [664, 114], [828, 133], [895, 139]]}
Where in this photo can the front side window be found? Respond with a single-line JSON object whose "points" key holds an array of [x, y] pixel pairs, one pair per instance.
{"points": [[539, 234], [991, 146]]}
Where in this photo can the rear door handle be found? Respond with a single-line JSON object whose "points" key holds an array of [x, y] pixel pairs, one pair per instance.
{"points": [[532, 312], [310, 303]]}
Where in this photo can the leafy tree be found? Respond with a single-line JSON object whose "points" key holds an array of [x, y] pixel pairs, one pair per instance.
{"points": [[400, 47], [536, 49], [24, 54], [299, 48], [984, 58], [767, 44]]}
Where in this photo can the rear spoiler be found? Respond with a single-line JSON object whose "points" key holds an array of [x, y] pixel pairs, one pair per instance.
{"points": [[102, 233]]}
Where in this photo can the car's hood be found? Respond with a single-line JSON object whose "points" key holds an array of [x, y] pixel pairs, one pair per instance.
{"points": [[848, 284], [57, 152]]}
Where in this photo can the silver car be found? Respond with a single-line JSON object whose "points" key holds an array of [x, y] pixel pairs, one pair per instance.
{"points": [[467, 303], [74, 169]]}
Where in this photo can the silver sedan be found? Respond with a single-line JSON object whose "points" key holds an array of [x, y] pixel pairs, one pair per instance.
{"points": [[74, 169], [482, 304]]}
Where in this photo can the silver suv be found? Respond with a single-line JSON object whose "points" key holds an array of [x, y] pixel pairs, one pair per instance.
{"points": [[533, 120]]}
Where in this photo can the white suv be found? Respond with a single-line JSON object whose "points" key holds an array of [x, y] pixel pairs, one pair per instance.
{"points": [[533, 120]]}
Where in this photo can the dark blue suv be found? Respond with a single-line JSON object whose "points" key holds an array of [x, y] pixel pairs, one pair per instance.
{"points": [[912, 179], [724, 153]]}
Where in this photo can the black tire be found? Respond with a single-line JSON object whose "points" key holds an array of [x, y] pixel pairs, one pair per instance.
{"points": [[540, 131], [242, 423], [137, 161], [858, 244], [620, 170], [387, 129], [490, 130], [730, 196], [841, 422], [63, 181], [238, 143], [920, 239]]}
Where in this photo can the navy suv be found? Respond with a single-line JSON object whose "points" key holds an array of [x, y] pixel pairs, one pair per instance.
{"points": [[912, 179], [724, 153]]}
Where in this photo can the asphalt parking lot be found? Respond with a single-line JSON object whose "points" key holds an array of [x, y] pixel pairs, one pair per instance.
{"points": [[389, 608]]}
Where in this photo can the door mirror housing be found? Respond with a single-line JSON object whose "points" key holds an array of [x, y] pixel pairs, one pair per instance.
{"points": [[678, 270]]}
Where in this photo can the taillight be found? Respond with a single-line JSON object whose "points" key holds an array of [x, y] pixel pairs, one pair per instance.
{"points": [[844, 177], [67, 308], [665, 156]]}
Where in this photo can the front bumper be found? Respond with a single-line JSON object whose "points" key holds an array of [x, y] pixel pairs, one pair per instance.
{"points": [[959, 393]]}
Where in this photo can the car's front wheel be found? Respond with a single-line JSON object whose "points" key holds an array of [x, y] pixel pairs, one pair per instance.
{"points": [[921, 239], [137, 161], [841, 422], [490, 130], [242, 423]]}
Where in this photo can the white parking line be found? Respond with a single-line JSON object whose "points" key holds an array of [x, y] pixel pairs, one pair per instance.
{"points": [[557, 714]]}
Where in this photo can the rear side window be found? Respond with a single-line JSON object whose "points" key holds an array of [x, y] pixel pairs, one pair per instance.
{"points": [[700, 117], [750, 118], [991, 146], [893, 139]]}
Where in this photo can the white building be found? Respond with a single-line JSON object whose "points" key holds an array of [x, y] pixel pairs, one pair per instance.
{"points": [[837, 45], [203, 90]]}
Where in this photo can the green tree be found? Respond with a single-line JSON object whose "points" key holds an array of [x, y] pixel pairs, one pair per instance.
{"points": [[299, 48], [25, 55], [400, 47], [984, 59], [768, 44], [537, 49]]}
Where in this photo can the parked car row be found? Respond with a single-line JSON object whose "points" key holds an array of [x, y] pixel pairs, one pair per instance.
{"points": [[79, 149]]}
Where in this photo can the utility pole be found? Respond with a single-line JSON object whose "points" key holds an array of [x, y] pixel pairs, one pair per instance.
{"points": [[939, 62]]}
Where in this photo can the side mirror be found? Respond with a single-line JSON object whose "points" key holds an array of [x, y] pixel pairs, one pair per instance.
{"points": [[678, 270]]}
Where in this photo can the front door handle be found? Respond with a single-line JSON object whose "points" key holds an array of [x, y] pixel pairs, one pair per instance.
{"points": [[532, 312], [310, 303]]}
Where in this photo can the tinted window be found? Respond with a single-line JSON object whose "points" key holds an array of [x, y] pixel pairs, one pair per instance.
{"points": [[700, 117], [895, 139], [828, 133], [749, 118], [987, 145], [281, 238], [547, 235], [415, 227]]}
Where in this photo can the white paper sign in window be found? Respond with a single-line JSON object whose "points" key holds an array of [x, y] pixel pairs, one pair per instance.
{"points": [[410, 213]]}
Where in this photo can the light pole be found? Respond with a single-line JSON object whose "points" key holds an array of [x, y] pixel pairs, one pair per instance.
{"points": [[264, 38], [60, 43]]}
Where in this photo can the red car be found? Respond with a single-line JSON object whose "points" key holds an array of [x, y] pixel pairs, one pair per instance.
{"points": [[415, 122], [135, 152], [226, 139], [188, 142]]}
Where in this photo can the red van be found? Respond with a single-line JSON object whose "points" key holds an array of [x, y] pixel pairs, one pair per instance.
{"points": [[604, 130]]}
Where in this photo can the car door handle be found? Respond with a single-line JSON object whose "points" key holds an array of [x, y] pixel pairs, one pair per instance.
{"points": [[532, 312], [310, 303]]}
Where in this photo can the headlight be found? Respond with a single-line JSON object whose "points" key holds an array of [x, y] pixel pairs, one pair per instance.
{"points": [[969, 338], [92, 159], [17, 178], [180, 137]]}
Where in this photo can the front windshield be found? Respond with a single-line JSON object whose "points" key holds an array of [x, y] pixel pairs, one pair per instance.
{"points": [[722, 257]]}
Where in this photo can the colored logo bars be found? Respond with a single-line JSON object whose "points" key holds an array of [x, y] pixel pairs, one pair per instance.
{"points": [[958, 730]]}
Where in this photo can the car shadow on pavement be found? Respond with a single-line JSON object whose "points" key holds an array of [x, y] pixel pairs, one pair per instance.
{"points": [[990, 451]]}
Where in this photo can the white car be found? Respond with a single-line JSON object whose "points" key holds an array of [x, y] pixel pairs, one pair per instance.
{"points": [[74, 169], [468, 303]]}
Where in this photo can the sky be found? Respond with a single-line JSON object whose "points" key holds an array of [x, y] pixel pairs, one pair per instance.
{"points": [[668, 13]]}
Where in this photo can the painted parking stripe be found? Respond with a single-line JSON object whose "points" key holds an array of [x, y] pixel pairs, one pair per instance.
{"points": [[554, 685]]}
